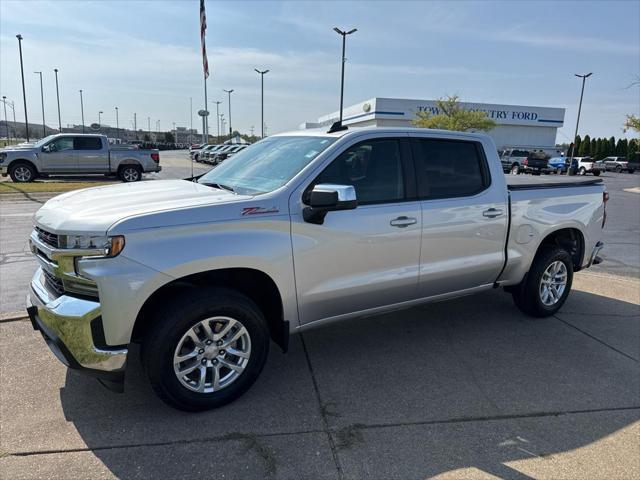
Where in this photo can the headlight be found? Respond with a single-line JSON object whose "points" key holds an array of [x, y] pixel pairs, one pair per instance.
{"points": [[104, 246]]}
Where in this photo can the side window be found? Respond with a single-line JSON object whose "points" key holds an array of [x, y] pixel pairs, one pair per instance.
{"points": [[62, 144], [87, 143], [450, 168], [373, 167]]}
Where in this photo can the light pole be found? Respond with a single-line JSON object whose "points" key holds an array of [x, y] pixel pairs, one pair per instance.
{"points": [[58, 99], [149, 127], [12, 105], [82, 110], [573, 147], [6, 124], [135, 125], [100, 118], [261, 98], [218, 119], [44, 128], [117, 124], [230, 130], [344, 41], [24, 94]]}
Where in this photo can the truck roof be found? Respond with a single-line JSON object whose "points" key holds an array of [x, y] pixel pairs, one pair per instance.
{"points": [[323, 132]]}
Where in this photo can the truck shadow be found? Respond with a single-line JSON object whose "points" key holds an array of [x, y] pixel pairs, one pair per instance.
{"points": [[465, 384]]}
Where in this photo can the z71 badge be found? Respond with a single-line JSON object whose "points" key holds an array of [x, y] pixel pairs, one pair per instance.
{"points": [[258, 210]]}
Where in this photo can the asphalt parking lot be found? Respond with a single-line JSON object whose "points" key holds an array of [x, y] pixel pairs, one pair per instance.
{"points": [[469, 388]]}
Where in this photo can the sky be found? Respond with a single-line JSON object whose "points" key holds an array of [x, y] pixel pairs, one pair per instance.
{"points": [[144, 57]]}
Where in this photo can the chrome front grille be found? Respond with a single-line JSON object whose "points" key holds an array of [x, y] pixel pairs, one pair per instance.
{"points": [[53, 283], [50, 239]]}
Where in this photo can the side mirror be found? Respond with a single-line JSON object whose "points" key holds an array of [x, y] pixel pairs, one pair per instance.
{"points": [[326, 198], [49, 148]]}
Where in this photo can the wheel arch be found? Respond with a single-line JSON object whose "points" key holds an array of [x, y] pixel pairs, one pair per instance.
{"points": [[253, 283], [569, 238], [21, 160]]}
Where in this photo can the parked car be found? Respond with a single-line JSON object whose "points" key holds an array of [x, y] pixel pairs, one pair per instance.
{"points": [[617, 164], [65, 154], [584, 165], [558, 165], [301, 229], [211, 156], [199, 155], [223, 155], [516, 161]]}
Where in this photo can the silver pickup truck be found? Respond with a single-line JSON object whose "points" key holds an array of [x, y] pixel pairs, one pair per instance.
{"points": [[296, 231], [66, 154]]}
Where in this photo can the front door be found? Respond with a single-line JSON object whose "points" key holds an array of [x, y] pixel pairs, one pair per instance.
{"points": [[464, 217], [58, 156], [365, 258]]}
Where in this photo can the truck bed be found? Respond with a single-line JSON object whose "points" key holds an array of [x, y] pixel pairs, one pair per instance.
{"points": [[527, 182]]}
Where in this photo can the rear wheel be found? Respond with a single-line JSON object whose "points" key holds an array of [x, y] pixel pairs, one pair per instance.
{"points": [[515, 169], [130, 173], [596, 173], [546, 287], [22, 172], [206, 349]]}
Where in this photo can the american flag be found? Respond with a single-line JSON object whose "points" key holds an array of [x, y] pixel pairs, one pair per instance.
{"points": [[203, 29]]}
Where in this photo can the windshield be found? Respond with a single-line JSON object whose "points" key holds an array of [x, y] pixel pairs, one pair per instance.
{"points": [[40, 143], [266, 165]]}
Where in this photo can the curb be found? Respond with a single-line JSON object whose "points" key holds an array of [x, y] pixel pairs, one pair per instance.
{"points": [[13, 316]]}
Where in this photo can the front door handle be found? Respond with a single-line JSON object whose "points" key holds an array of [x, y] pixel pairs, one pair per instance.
{"points": [[402, 222], [492, 213]]}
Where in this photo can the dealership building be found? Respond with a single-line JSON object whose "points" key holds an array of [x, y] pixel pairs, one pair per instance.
{"points": [[516, 125]]}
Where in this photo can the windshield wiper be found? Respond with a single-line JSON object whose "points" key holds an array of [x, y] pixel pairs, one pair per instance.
{"points": [[220, 186]]}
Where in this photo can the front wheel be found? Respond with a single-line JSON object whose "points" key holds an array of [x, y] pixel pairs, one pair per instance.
{"points": [[618, 169], [515, 169], [130, 173], [546, 287], [206, 349], [582, 171], [22, 172]]}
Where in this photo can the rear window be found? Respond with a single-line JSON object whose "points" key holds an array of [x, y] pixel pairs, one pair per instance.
{"points": [[87, 143], [450, 168]]}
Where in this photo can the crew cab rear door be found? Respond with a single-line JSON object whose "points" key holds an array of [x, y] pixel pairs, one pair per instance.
{"points": [[464, 214], [361, 259], [93, 156]]}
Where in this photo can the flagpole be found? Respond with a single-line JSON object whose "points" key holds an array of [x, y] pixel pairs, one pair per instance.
{"points": [[205, 130]]}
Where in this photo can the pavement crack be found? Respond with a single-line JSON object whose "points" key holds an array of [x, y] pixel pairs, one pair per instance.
{"points": [[349, 434], [323, 410], [602, 342]]}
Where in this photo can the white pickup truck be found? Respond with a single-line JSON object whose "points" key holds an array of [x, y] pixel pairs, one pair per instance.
{"points": [[71, 154], [296, 231]]}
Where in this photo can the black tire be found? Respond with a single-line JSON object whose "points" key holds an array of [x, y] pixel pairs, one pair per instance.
{"points": [[631, 170], [596, 173], [515, 169], [181, 315], [527, 295], [618, 169], [582, 171], [22, 172], [130, 173]]}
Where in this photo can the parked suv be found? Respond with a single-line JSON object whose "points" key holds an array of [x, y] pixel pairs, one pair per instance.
{"points": [[618, 165], [584, 165]]}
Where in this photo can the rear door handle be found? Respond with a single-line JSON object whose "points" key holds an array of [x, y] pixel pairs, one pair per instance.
{"points": [[492, 213], [402, 222]]}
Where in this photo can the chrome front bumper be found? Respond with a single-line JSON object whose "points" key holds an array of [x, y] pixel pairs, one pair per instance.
{"points": [[72, 328]]}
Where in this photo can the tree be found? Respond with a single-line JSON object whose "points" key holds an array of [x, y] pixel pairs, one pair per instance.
{"points": [[452, 116], [146, 137], [611, 147], [585, 147], [632, 123], [576, 147], [621, 147], [632, 149], [169, 138], [594, 148]]}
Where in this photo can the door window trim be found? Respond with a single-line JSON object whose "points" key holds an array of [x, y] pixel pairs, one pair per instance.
{"points": [[406, 163], [416, 150]]}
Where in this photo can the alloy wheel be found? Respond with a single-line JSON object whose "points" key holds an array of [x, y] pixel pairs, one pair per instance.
{"points": [[553, 283], [212, 354], [22, 173]]}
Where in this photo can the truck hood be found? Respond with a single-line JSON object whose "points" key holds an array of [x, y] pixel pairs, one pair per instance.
{"points": [[94, 210]]}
